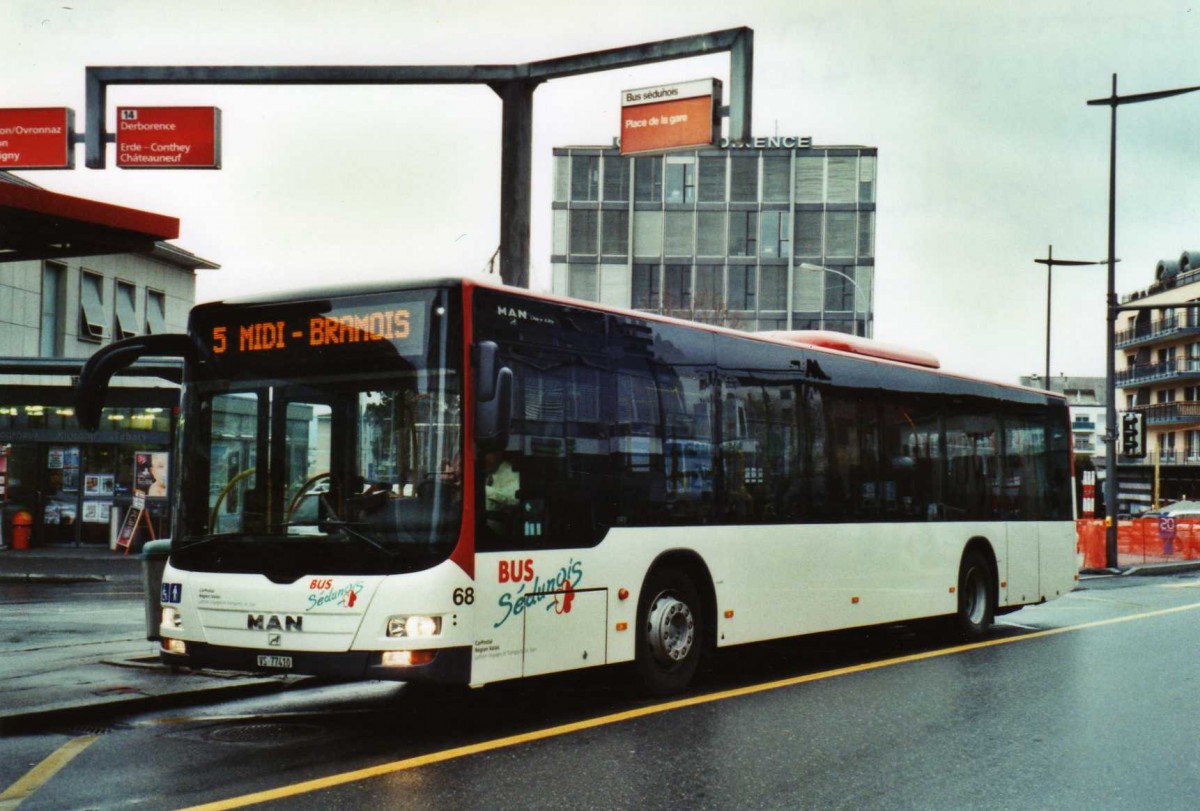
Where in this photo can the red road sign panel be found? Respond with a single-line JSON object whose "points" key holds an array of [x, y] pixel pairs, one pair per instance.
{"points": [[168, 138], [36, 138], [677, 116]]}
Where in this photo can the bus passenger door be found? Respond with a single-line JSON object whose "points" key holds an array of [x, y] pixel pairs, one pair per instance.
{"points": [[1022, 564]]}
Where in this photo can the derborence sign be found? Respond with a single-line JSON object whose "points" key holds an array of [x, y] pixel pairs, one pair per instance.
{"points": [[672, 116], [168, 138]]}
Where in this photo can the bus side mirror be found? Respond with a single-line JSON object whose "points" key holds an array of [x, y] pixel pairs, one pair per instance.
{"points": [[92, 387], [493, 398]]}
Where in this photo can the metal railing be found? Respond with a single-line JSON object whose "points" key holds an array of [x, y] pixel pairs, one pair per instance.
{"points": [[1167, 413], [1169, 326], [1141, 374]]}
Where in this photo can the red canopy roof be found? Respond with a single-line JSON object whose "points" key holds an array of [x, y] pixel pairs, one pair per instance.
{"points": [[39, 224]]}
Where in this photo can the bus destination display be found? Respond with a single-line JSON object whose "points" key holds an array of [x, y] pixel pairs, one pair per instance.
{"points": [[298, 332]]}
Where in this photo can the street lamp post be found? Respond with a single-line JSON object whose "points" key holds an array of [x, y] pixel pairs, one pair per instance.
{"points": [[1050, 263], [1110, 431], [857, 294]]}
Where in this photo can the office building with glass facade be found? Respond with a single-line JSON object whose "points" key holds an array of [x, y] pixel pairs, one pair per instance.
{"points": [[763, 237]]}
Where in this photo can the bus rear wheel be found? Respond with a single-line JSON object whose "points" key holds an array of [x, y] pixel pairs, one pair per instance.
{"points": [[976, 603], [670, 632]]}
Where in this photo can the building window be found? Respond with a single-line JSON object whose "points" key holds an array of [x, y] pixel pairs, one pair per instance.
{"points": [[810, 290], [709, 293], [616, 179], [53, 305], [583, 232], [810, 226], [585, 177], [841, 230], [743, 233], [744, 179], [581, 283], [777, 178], [866, 234], [125, 310], [677, 287], [648, 180], [839, 292], [156, 312], [615, 236], [712, 179], [843, 179], [562, 178], [810, 178], [679, 233], [710, 233], [1166, 447], [866, 179], [647, 233], [645, 294], [93, 323], [681, 180], [741, 287], [774, 234], [773, 295]]}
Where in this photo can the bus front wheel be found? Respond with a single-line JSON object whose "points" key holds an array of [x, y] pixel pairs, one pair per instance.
{"points": [[976, 604], [670, 632]]}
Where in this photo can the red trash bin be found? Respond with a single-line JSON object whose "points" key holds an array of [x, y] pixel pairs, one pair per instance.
{"points": [[22, 528]]}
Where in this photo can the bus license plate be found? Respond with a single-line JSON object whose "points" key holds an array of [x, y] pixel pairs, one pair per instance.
{"points": [[278, 662]]}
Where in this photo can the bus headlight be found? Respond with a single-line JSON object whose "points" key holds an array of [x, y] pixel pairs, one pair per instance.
{"points": [[414, 627], [175, 646], [171, 618]]}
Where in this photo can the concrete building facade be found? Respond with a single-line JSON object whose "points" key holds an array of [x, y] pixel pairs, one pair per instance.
{"points": [[1158, 376], [778, 235]]}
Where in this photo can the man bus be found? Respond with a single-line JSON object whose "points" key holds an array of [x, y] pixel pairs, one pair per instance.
{"points": [[668, 488]]}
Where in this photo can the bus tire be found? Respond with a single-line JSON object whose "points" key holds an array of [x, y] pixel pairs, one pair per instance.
{"points": [[670, 632], [976, 596]]}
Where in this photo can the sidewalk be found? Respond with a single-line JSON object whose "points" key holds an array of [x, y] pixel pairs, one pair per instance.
{"points": [[73, 650]]}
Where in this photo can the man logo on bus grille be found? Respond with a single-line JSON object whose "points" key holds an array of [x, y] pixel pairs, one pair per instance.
{"points": [[260, 622]]}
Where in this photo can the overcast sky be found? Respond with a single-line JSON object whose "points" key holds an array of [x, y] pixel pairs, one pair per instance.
{"points": [[988, 153]]}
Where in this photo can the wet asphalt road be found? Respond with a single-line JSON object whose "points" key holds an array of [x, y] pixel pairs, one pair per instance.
{"points": [[1100, 713]]}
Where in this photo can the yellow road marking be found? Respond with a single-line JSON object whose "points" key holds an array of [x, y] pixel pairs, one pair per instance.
{"points": [[332, 781], [40, 774]]}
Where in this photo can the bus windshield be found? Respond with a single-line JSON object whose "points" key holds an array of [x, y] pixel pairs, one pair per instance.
{"points": [[330, 465]]}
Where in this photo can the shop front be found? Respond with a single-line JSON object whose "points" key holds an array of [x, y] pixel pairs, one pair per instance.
{"points": [[77, 485]]}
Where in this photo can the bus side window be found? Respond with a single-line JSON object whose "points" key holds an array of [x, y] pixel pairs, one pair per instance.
{"points": [[557, 450]]}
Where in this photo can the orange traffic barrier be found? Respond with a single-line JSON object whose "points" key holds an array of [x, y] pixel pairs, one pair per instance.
{"points": [[1139, 541]]}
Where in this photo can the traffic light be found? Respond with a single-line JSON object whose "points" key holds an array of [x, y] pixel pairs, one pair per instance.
{"points": [[1133, 434]]}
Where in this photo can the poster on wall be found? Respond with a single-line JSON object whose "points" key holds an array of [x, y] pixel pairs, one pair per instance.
{"points": [[97, 512], [98, 484], [56, 458], [151, 473]]}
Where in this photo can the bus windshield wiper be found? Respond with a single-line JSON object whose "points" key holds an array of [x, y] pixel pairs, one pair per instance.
{"points": [[203, 540], [349, 527]]}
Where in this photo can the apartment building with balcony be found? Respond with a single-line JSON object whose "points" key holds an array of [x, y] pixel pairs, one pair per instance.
{"points": [[1158, 376]]}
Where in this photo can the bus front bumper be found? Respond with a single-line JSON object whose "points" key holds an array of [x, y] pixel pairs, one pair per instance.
{"points": [[448, 665]]}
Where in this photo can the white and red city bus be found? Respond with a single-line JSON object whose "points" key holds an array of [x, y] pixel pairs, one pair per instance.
{"points": [[460, 482]]}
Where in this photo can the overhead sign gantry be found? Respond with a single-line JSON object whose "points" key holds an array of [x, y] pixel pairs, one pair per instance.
{"points": [[515, 84]]}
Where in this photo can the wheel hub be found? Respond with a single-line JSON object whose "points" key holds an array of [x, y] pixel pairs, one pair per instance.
{"points": [[671, 629]]}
